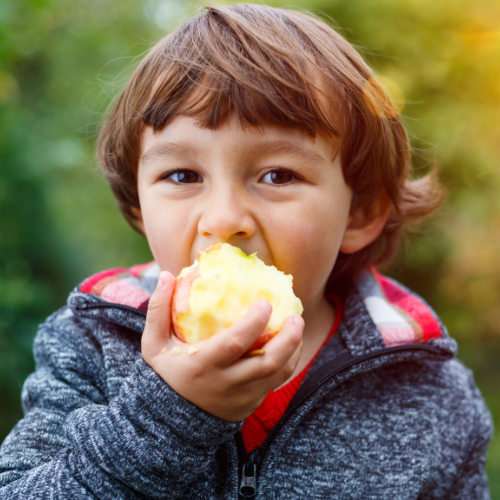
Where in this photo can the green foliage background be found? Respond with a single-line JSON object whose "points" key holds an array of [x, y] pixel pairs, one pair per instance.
{"points": [[60, 63]]}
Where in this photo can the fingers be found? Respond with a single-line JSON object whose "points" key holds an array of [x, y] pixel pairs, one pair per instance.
{"points": [[229, 345], [158, 322], [282, 354], [289, 368]]}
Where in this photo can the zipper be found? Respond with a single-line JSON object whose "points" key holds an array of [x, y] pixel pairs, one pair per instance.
{"points": [[251, 462], [249, 472], [110, 305]]}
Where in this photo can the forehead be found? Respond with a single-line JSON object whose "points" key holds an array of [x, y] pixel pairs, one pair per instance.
{"points": [[185, 137]]}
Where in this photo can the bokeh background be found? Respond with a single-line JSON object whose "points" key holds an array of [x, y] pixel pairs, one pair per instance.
{"points": [[61, 61]]}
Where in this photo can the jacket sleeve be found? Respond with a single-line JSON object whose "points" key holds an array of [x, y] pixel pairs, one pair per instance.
{"points": [[471, 481], [462, 433], [74, 443]]}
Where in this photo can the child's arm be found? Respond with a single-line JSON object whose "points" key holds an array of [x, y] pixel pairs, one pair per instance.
{"points": [[469, 478], [148, 441]]}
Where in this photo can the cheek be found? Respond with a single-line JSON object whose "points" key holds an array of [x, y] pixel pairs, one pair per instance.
{"points": [[307, 245], [167, 231]]}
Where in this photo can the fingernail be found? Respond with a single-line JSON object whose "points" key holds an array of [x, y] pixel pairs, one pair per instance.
{"points": [[297, 320], [264, 305], [160, 283]]}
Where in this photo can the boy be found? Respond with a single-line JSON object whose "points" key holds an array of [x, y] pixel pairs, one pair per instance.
{"points": [[262, 128]]}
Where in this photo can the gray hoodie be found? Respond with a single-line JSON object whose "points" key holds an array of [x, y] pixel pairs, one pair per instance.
{"points": [[385, 411]]}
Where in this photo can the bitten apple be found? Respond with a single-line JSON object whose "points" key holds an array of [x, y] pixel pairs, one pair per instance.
{"points": [[219, 288]]}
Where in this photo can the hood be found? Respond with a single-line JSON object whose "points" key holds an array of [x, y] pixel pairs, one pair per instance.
{"points": [[379, 312]]}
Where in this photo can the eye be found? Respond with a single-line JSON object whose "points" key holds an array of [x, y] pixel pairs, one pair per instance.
{"points": [[183, 177], [278, 176]]}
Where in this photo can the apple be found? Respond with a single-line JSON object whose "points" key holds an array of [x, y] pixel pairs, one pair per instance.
{"points": [[219, 288]]}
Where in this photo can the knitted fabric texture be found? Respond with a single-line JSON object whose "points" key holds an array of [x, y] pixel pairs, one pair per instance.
{"points": [[257, 426], [368, 421]]}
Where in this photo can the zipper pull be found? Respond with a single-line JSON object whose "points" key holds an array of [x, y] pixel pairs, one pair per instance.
{"points": [[248, 484]]}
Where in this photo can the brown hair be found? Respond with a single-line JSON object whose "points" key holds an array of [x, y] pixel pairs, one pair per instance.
{"points": [[271, 66]]}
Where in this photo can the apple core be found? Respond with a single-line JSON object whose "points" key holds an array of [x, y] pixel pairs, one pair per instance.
{"points": [[219, 288]]}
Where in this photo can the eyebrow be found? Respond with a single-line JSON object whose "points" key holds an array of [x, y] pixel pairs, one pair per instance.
{"points": [[258, 149], [269, 148], [169, 149]]}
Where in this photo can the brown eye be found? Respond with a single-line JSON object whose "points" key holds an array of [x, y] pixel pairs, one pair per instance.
{"points": [[184, 176], [278, 177]]}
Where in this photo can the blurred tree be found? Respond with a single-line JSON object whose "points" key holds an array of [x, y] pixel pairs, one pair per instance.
{"points": [[59, 222]]}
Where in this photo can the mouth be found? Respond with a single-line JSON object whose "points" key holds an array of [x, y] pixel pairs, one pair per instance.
{"points": [[247, 249]]}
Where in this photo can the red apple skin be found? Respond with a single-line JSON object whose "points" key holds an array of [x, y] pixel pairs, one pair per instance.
{"points": [[264, 337], [180, 299]]}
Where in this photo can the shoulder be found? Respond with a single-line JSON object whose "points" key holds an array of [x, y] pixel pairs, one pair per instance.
{"points": [[428, 412], [104, 316], [457, 398], [63, 331], [68, 354], [96, 337], [449, 385], [439, 401], [67, 331], [88, 331]]}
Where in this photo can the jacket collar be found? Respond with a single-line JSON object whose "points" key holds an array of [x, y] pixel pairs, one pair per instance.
{"points": [[127, 287], [385, 322], [379, 313]]}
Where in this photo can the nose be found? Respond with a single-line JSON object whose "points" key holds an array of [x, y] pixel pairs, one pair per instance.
{"points": [[226, 216]]}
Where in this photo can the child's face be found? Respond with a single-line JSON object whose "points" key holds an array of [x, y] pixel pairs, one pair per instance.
{"points": [[275, 192]]}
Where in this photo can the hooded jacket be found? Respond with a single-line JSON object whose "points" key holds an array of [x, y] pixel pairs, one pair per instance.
{"points": [[385, 411]]}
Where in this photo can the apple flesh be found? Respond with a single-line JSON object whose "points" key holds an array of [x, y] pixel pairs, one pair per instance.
{"points": [[219, 288]]}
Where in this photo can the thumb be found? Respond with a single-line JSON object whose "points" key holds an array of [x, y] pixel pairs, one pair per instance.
{"points": [[158, 324]]}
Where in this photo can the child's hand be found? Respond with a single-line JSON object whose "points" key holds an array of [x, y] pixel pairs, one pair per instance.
{"points": [[211, 373]]}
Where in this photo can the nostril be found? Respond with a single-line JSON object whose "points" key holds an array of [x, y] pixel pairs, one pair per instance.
{"points": [[225, 225]]}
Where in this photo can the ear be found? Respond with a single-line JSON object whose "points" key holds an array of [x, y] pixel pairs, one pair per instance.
{"points": [[364, 226], [138, 216]]}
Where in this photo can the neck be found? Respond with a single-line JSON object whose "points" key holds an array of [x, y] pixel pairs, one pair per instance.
{"points": [[318, 320]]}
